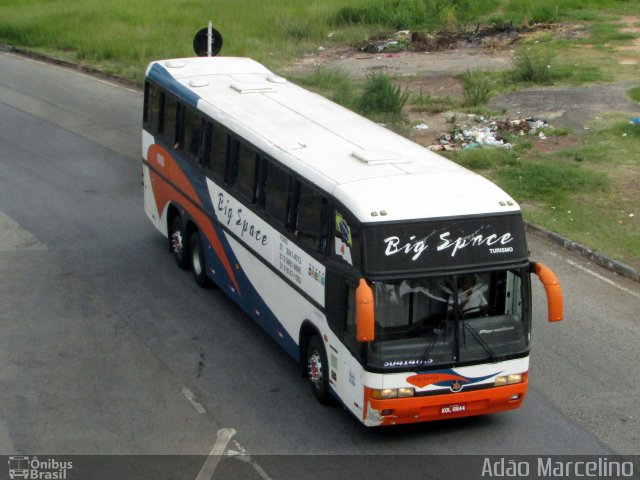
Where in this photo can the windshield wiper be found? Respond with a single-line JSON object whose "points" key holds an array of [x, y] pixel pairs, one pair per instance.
{"points": [[441, 327], [480, 340]]}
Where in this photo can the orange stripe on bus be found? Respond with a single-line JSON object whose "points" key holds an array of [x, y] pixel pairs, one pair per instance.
{"points": [[162, 161]]}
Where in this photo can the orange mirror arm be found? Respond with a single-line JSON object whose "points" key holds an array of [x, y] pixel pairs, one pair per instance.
{"points": [[552, 287], [365, 318]]}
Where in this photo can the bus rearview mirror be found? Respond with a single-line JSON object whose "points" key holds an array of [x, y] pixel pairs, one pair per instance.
{"points": [[552, 288], [365, 316]]}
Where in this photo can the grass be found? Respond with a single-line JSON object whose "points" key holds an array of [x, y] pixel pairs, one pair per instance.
{"points": [[555, 63], [549, 62], [378, 97], [484, 159], [121, 36], [412, 14], [381, 96], [476, 88], [544, 11], [533, 65], [588, 193], [124, 36], [634, 93], [546, 180], [427, 103], [333, 84]]}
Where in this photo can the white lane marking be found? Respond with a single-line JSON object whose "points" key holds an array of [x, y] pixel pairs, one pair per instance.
{"points": [[69, 69], [210, 464], [603, 278], [14, 237], [254, 464], [243, 456], [192, 400]]}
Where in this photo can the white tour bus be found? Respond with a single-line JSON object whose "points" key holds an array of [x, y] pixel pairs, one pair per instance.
{"points": [[399, 280]]}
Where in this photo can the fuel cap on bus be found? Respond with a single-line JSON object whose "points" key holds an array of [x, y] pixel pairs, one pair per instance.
{"points": [[200, 42]]}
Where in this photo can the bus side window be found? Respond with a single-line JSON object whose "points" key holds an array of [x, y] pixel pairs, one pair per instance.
{"points": [[219, 149], [205, 147], [311, 219], [275, 192], [243, 170], [194, 135], [169, 120], [152, 106]]}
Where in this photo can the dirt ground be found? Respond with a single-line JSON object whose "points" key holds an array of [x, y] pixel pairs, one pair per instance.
{"points": [[432, 65]]}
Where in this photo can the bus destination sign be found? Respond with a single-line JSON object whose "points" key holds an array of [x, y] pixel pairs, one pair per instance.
{"points": [[442, 244]]}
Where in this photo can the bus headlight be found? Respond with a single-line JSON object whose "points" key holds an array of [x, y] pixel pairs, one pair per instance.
{"points": [[508, 379], [514, 378], [384, 394], [500, 381], [387, 393], [406, 392]]}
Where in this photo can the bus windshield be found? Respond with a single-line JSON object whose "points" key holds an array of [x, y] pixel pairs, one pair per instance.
{"points": [[450, 320]]}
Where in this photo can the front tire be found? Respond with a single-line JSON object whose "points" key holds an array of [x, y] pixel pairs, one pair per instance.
{"points": [[318, 370], [198, 263]]}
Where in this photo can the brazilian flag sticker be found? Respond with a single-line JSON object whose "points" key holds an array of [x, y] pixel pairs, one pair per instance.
{"points": [[343, 229]]}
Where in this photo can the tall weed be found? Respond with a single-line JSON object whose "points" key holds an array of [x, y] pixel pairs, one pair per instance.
{"points": [[476, 88], [533, 66], [425, 102], [380, 95]]}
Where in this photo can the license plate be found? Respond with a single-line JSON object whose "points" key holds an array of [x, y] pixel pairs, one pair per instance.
{"points": [[457, 408]]}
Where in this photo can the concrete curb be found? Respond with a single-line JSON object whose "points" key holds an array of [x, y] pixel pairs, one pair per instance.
{"points": [[596, 257], [73, 66]]}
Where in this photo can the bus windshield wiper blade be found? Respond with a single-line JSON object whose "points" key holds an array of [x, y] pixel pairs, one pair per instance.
{"points": [[480, 340], [441, 326]]}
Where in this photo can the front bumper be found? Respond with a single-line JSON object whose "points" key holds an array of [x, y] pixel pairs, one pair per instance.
{"points": [[440, 407]]}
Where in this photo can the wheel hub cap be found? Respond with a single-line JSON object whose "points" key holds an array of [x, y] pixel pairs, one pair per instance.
{"points": [[176, 242], [315, 369]]}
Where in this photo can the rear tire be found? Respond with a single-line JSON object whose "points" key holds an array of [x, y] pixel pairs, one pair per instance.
{"points": [[198, 263], [178, 243], [318, 370]]}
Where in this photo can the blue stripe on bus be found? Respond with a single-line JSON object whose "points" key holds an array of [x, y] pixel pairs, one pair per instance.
{"points": [[248, 298], [163, 78]]}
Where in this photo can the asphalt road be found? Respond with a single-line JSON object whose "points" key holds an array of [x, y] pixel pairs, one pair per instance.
{"points": [[107, 348]]}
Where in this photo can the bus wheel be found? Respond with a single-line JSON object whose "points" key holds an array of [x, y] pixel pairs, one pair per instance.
{"points": [[198, 264], [178, 246], [318, 370]]}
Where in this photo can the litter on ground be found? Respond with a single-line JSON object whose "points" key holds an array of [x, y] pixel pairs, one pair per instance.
{"points": [[482, 132]]}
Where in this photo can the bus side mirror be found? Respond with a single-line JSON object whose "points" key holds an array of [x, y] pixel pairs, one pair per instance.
{"points": [[365, 317], [552, 288]]}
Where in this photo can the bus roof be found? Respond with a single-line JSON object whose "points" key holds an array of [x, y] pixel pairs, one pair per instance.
{"points": [[377, 174]]}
